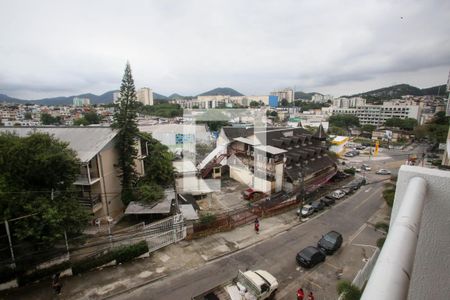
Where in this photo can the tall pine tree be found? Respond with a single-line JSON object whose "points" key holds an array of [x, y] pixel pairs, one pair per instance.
{"points": [[125, 115]]}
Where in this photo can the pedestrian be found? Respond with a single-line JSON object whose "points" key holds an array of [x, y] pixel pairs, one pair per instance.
{"points": [[56, 284], [257, 227], [310, 296], [300, 294], [256, 221]]}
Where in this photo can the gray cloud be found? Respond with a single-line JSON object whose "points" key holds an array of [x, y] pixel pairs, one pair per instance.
{"points": [[58, 48]]}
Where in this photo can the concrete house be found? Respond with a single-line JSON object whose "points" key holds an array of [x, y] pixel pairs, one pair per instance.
{"points": [[98, 184]]}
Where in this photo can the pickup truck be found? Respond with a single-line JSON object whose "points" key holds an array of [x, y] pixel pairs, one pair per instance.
{"points": [[251, 285]]}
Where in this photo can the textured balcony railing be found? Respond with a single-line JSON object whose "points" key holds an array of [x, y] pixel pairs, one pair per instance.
{"points": [[414, 261]]}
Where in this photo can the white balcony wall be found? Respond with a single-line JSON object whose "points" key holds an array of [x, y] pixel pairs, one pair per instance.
{"points": [[431, 271]]}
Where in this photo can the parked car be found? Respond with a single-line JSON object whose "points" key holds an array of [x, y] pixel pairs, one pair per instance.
{"points": [[357, 169], [349, 154], [307, 210], [354, 185], [330, 242], [310, 256], [338, 194], [366, 167], [383, 172], [318, 205], [327, 201], [251, 194]]}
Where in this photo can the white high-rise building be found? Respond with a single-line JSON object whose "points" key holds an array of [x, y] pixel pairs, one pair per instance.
{"points": [[81, 101], [143, 95], [287, 94]]}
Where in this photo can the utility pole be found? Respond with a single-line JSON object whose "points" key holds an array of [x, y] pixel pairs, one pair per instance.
{"points": [[302, 189], [10, 244]]}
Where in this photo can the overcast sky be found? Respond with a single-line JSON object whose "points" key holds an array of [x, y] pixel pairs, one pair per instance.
{"points": [[62, 48]]}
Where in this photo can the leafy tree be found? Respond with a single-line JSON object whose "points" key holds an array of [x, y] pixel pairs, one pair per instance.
{"points": [[344, 121], [164, 110], [80, 122], [92, 117], [284, 102], [36, 177], [48, 119], [440, 119], [28, 116], [158, 162], [149, 193], [337, 130], [214, 119], [406, 124], [368, 128], [125, 115], [254, 104]]}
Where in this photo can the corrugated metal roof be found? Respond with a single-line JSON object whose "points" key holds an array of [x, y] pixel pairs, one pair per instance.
{"points": [[85, 141]]}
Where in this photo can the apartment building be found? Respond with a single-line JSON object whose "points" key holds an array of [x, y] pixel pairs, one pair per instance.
{"points": [[378, 114], [143, 95], [348, 102], [81, 101], [98, 184], [287, 94], [221, 101]]}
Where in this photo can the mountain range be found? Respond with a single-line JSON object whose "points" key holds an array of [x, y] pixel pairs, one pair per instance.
{"points": [[396, 91], [385, 93]]}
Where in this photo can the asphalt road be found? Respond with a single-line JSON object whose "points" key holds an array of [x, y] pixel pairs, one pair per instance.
{"points": [[276, 255]]}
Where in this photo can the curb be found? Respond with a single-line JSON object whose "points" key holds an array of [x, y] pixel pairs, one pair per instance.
{"points": [[134, 287]]}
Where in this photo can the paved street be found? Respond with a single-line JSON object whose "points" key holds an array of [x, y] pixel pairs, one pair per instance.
{"points": [[277, 255]]}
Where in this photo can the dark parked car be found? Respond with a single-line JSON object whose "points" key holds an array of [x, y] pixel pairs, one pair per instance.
{"points": [[328, 201], [330, 242], [318, 205], [310, 256]]}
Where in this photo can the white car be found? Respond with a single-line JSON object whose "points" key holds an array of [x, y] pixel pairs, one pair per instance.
{"points": [[383, 172], [338, 194], [307, 210], [366, 167]]}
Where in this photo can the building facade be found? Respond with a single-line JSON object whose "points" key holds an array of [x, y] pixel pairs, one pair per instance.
{"points": [[287, 94], [81, 101], [378, 114]]}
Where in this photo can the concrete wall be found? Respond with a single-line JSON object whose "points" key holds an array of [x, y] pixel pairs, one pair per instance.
{"points": [[430, 277], [110, 182]]}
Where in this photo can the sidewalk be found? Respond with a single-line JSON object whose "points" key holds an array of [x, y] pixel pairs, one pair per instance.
{"points": [[100, 284]]}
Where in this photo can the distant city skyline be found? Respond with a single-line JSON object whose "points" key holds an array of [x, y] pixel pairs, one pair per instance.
{"points": [[189, 47]]}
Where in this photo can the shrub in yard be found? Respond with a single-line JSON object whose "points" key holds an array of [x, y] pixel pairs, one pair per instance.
{"points": [[127, 253], [348, 291], [24, 279], [7, 274]]}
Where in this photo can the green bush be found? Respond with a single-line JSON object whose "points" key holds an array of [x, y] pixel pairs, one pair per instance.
{"points": [[348, 290], [383, 226], [7, 274], [388, 195], [92, 262], [127, 253], [380, 242], [122, 254], [24, 279]]}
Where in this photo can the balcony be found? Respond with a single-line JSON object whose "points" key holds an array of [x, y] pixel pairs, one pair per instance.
{"points": [[414, 262], [84, 179], [92, 201]]}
